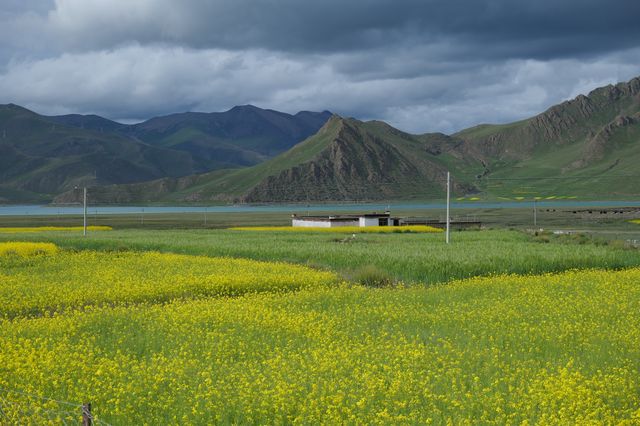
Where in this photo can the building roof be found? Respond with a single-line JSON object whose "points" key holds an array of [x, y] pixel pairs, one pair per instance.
{"points": [[343, 217]]}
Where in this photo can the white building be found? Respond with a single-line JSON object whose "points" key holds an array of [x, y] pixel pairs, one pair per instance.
{"points": [[333, 221]]}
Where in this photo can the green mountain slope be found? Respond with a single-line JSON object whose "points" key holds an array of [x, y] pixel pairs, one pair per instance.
{"points": [[89, 122], [567, 123], [346, 160], [243, 136], [586, 147], [40, 158]]}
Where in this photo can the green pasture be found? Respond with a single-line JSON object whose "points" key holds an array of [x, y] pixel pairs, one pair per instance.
{"points": [[410, 258]]}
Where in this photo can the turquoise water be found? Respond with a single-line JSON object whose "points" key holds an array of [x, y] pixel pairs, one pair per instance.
{"points": [[43, 210]]}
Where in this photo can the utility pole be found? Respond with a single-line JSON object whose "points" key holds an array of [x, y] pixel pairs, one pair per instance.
{"points": [[448, 204], [535, 212], [84, 228]]}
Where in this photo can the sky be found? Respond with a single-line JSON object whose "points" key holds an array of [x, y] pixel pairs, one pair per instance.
{"points": [[420, 65]]}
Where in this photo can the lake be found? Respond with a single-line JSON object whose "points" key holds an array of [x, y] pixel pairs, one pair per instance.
{"points": [[45, 210]]}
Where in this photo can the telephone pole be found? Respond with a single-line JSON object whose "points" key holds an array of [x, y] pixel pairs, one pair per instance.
{"points": [[84, 228], [448, 204]]}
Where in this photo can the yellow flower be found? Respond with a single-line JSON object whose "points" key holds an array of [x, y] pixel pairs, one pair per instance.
{"points": [[26, 249]]}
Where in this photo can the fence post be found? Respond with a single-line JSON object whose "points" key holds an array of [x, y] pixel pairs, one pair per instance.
{"points": [[87, 419]]}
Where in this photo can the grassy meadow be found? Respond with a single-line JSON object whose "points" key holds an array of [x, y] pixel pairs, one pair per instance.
{"points": [[409, 229], [408, 257], [254, 327]]}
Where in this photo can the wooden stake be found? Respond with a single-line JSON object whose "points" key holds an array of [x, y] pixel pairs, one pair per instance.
{"points": [[87, 419]]}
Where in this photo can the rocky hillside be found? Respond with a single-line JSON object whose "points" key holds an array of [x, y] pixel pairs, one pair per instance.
{"points": [[346, 160], [585, 147], [609, 139], [362, 161], [570, 122], [588, 146]]}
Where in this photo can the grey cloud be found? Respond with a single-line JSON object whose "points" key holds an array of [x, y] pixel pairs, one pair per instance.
{"points": [[486, 28], [422, 65], [136, 82], [19, 7], [23, 29]]}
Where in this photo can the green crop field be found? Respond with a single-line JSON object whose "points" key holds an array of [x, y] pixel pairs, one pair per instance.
{"points": [[421, 258], [237, 327]]}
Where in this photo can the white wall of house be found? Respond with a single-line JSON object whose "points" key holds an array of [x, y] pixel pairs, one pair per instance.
{"points": [[353, 222], [311, 223], [368, 221], [323, 223]]}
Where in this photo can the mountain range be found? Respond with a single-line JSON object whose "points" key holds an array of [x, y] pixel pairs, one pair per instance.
{"points": [[41, 157], [587, 147]]}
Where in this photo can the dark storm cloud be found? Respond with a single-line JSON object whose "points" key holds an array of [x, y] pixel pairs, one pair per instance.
{"points": [[541, 29], [421, 65]]}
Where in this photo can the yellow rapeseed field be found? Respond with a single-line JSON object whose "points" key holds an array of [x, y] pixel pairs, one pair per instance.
{"points": [[24, 249], [344, 229], [637, 221], [552, 349], [20, 230], [72, 280]]}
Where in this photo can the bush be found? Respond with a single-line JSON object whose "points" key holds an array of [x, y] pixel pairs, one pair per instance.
{"points": [[372, 276]]}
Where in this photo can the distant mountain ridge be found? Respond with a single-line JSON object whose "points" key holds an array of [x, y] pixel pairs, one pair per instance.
{"points": [[42, 156], [562, 124], [588, 145], [88, 122], [244, 135], [346, 160]]}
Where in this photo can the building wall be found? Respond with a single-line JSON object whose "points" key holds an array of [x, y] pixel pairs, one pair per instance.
{"points": [[353, 222], [368, 221], [322, 223], [311, 223]]}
